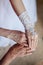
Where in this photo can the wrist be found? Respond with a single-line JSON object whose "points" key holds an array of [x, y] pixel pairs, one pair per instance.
{"points": [[26, 21], [4, 32]]}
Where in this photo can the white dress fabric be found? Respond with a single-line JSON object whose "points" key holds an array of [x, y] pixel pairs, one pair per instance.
{"points": [[9, 19]]}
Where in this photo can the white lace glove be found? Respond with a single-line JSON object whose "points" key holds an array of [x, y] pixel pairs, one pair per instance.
{"points": [[28, 24], [29, 27]]}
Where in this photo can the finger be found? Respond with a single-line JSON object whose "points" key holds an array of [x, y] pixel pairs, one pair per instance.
{"points": [[22, 52], [29, 42], [25, 54], [23, 41], [29, 51], [28, 54], [36, 40], [27, 48], [33, 43], [24, 44]]}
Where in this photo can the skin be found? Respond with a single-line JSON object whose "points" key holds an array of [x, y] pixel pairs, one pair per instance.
{"points": [[32, 40], [17, 6], [14, 52]]}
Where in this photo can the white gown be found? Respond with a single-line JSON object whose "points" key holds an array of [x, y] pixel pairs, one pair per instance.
{"points": [[9, 19]]}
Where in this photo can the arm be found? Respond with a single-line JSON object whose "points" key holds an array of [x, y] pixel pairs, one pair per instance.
{"points": [[28, 24], [17, 6], [15, 35], [15, 51], [4, 32], [11, 55]]}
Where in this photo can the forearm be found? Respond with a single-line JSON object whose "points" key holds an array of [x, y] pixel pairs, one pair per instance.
{"points": [[13, 52], [20, 9], [4, 32], [9, 57], [18, 6]]}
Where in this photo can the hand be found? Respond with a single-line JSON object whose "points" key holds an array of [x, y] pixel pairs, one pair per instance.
{"points": [[15, 51], [32, 40], [23, 51], [15, 35], [18, 37]]}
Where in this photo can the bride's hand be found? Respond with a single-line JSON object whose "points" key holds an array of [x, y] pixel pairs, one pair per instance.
{"points": [[32, 40], [18, 37]]}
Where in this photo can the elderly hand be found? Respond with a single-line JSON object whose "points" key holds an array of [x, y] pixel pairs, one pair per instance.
{"points": [[15, 51], [32, 40]]}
